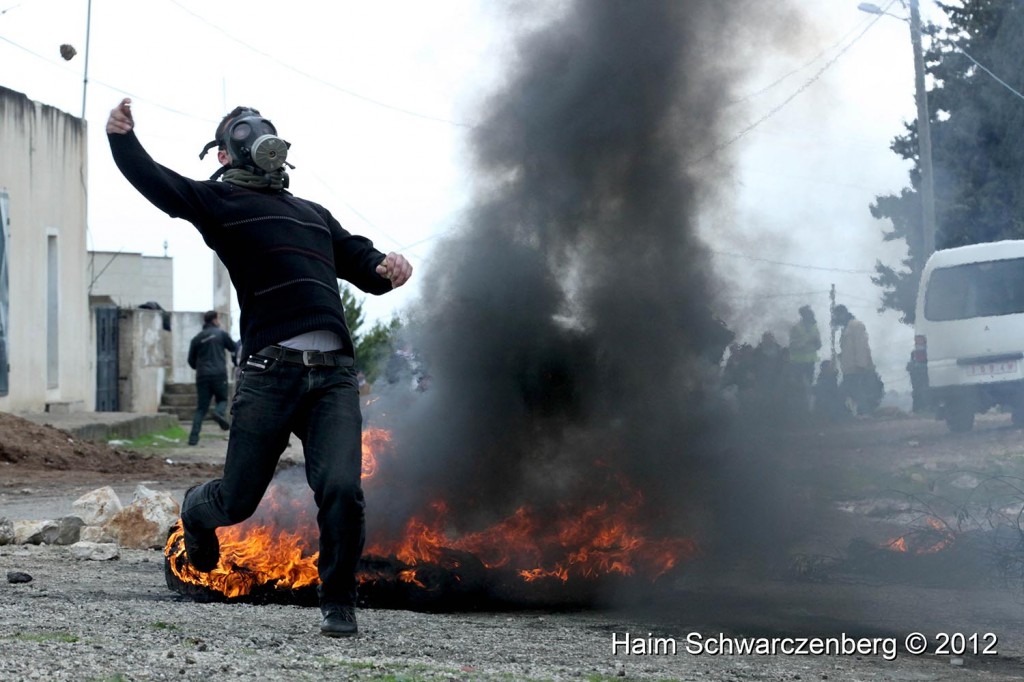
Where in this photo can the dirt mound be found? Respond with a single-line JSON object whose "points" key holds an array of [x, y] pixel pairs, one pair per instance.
{"points": [[34, 446]]}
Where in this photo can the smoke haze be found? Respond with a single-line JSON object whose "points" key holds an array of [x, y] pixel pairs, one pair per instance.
{"points": [[570, 327]]}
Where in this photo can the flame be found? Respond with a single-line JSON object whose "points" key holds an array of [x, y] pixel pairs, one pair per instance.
{"points": [[597, 541], [558, 543], [261, 557], [928, 541], [409, 576], [373, 442], [253, 555]]}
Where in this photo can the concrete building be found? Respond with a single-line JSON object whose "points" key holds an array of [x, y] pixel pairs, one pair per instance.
{"points": [[129, 280], [153, 355], [76, 332], [47, 344]]}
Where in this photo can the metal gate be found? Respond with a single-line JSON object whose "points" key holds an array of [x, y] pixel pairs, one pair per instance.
{"points": [[106, 359]]}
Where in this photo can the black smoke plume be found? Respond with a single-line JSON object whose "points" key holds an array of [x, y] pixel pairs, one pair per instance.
{"points": [[569, 327]]}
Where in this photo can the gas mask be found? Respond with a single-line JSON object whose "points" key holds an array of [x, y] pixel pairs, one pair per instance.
{"points": [[252, 142]]}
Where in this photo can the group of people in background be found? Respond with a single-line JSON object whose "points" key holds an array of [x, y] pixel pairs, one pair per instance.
{"points": [[775, 381]]}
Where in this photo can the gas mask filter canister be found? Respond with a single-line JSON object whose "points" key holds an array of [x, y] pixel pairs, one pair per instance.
{"points": [[253, 140], [252, 143]]}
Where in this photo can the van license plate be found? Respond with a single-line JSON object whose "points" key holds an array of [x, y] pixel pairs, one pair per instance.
{"points": [[989, 368]]}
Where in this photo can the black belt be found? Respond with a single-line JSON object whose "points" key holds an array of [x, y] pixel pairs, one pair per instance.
{"points": [[309, 358]]}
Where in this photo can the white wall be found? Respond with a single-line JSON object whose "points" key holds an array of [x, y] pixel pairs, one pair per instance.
{"points": [[183, 327], [43, 171], [131, 279], [143, 360]]}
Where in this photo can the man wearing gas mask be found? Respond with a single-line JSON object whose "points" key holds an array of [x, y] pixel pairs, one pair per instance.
{"points": [[284, 255]]}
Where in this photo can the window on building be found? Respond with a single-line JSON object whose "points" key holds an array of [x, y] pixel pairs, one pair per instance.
{"points": [[4, 295], [52, 312]]}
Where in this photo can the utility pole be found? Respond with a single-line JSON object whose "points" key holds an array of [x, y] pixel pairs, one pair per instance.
{"points": [[85, 75], [831, 324], [924, 137]]}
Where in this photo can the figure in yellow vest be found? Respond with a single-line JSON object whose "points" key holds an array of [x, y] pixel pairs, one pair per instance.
{"points": [[804, 342]]}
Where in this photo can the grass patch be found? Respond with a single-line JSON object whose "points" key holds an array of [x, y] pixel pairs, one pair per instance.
{"points": [[173, 437], [161, 625]]}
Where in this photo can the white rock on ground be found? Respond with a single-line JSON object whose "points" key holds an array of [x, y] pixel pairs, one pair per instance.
{"points": [[144, 523], [98, 506]]}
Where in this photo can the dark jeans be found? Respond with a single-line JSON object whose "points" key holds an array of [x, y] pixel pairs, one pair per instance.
{"points": [[320, 405], [857, 387], [208, 388]]}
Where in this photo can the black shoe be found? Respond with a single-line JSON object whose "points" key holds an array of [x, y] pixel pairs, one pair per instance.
{"points": [[339, 621], [202, 548], [193, 442], [223, 423]]}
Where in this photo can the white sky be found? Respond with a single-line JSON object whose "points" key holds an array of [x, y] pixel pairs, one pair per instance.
{"points": [[372, 96]]}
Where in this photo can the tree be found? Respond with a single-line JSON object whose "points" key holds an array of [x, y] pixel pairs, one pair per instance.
{"points": [[354, 314], [373, 347], [376, 346], [977, 148]]}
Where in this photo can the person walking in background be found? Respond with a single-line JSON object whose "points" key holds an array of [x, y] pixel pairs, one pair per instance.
{"points": [[858, 370], [285, 256], [206, 357], [804, 342]]}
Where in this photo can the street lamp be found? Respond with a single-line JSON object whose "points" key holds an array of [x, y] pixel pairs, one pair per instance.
{"points": [[872, 8], [924, 134]]}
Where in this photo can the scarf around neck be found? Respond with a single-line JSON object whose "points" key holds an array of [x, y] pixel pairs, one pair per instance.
{"points": [[244, 178]]}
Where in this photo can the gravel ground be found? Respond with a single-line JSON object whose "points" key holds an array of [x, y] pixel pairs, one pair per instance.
{"points": [[116, 620]]}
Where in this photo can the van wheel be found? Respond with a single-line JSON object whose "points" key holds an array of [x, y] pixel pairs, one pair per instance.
{"points": [[959, 416]]}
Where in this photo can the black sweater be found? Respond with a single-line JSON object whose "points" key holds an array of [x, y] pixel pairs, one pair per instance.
{"points": [[284, 254]]}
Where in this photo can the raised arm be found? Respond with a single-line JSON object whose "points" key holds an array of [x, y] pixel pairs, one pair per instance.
{"points": [[173, 194]]}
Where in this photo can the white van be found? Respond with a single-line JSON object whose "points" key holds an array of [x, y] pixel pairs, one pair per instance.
{"points": [[969, 328]]}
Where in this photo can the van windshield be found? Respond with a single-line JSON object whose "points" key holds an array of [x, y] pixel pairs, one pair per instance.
{"points": [[975, 290]]}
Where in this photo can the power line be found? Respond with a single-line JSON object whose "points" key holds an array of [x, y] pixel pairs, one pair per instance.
{"points": [[977, 63], [798, 69], [350, 207], [350, 93], [743, 133], [430, 237], [138, 98], [797, 294], [69, 70], [859, 298], [982, 67], [792, 265]]}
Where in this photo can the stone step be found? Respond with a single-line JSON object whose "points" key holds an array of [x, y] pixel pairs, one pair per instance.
{"points": [[183, 414], [176, 389], [178, 400]]}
